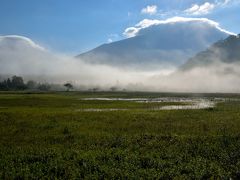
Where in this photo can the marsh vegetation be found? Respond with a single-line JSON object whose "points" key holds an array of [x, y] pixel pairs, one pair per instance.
{"points": [[53, 135]]}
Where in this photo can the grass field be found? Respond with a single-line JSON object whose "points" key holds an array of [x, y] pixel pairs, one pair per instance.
{"points": [[49, 135]]}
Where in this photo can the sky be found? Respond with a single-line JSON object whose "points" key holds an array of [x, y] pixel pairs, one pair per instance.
{"points": [[75, 26]]}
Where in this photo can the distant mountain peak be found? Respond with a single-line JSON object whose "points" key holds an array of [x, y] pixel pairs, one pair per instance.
{"points": [[159, 44]]}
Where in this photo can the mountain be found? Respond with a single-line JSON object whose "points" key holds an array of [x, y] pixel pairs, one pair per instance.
{"points": [[155, 44], [224, 51]]}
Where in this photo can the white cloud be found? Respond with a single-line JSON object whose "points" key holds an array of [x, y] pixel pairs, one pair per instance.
{"points": [[20, 39], [133, 31], [149, 10], [110, 40], [208, 7], [224, 2], [203, 9], [112, 37]]}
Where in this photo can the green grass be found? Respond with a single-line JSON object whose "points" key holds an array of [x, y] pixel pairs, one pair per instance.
{"points": [[45, 136]]}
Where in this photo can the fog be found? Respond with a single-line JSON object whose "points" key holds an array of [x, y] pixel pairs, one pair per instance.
{"points": [[217, 77], [42, 65], [56, 68]]}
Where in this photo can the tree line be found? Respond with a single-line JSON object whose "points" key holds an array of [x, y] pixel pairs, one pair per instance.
{"points": [[16, 83]]}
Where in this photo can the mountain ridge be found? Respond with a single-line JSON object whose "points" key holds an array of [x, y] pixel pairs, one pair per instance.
{"points": [[223, 51], [172, 43]]}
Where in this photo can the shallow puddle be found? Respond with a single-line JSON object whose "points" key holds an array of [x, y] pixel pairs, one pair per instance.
{"points": [[195, 105], [115, 99], [149, 100], [191, 103], [101, 110]]}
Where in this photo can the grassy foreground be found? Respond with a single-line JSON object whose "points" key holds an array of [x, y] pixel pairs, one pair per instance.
{"points": [[48, 136]]}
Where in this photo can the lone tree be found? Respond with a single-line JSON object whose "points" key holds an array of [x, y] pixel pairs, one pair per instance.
{"points": [[69, 86]]}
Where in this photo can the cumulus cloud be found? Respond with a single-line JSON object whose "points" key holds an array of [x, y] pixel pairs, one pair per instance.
{"points": [[207, 7], [146, 23], [149, 10], [203, 9]]}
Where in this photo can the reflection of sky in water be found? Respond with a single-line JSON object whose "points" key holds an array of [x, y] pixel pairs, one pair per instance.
{"points": [[193, 103]]}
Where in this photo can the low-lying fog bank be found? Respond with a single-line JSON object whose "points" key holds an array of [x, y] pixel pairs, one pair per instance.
{"points": [[219, 77], [39, 64]]}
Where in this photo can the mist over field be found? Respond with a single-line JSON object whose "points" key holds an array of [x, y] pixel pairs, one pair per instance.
{"points": [[175, 55], [119, 89], [39, 64]]}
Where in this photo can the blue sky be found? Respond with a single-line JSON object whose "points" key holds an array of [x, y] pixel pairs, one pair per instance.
{"points": [[74, 26]]}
